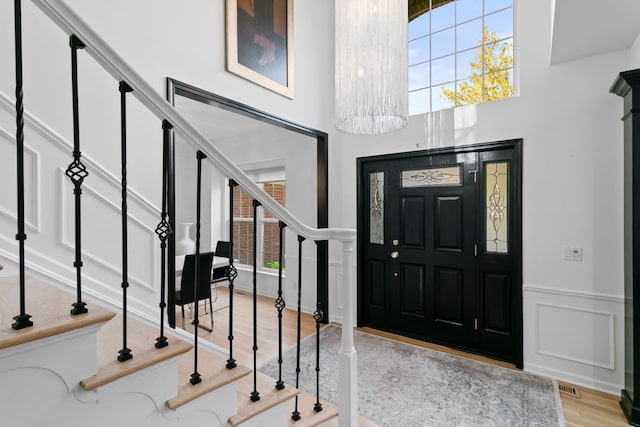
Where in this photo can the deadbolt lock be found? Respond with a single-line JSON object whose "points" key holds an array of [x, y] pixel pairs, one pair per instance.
{"points": [[396, 242]]}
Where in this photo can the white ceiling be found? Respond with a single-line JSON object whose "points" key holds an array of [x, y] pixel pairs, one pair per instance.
{"points": [[217, 124], [584, 28], [228, 130]]}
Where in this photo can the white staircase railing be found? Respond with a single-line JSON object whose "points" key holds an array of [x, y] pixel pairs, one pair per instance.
{"points": [[102, 53]]}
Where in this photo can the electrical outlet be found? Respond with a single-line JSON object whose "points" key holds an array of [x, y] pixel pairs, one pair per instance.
{"points": [[572, 253]]}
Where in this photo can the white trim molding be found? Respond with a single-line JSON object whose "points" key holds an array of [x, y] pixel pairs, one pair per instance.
{"points": [[64, 241], [545, 311], [573, 293], [575, 336], [64, 145], [34, 222]]}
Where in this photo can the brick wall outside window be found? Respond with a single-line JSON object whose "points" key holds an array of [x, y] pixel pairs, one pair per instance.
{"points": [[243, 227]]}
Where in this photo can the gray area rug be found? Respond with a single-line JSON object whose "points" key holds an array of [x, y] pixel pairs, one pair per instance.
{"points": [[404, 385]]}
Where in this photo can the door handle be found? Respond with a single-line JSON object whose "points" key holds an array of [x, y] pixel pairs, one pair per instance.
{"points": [[395, 254]]}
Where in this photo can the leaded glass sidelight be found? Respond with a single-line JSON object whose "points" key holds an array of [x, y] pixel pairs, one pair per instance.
{"points": [[449, 175], [496, 196], [376, 207]]}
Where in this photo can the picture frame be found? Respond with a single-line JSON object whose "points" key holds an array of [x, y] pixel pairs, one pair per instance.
{"points": [[259, 43]]}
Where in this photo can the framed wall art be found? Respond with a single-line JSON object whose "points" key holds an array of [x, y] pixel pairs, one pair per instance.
{"points": [[260, 42]]}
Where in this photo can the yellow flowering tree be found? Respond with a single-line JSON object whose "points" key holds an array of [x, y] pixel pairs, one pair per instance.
{"points": [[490, 74]]}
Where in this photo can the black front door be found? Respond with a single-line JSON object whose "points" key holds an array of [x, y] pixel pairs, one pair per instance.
{"points": [[431, 268]]}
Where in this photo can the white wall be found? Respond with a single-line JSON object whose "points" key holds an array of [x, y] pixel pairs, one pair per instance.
{"points": [[158, 39], [635, 53], [572, 196], [297, 154]]}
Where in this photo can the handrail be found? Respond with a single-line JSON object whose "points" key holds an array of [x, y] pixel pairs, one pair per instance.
{"points": [[71, 23]]}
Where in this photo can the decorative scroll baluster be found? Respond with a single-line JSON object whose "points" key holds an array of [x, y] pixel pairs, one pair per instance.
{"points": [[231, 275], [77, 172], [163, 230], [22, 319], [125, 353], [280, 305], [195, 377], [295, 415], [255, 395], [318, 315]]}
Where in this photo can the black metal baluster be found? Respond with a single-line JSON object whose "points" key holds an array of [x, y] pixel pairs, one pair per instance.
{"points": [[77, 172], [195, 377], [318, 315], [124, 354], [171, 241], [22, 319], [280, 305], [295, 415], [163, 230], [255, 396], [231, 275]]}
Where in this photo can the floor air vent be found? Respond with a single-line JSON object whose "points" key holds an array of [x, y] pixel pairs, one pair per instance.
{"points": [[569, 390]]}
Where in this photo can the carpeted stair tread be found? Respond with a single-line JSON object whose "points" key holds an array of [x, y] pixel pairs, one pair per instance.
{"points": [[308, 416], [214, 374], [269, 397], [49, 307]]}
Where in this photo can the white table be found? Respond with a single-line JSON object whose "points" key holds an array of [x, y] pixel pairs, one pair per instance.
{"points": [[217, 262]]}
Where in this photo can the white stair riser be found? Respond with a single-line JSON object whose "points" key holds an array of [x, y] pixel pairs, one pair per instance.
{"points": [[158, 383], [39, 378], [212, 409], [71, 355], [276, 416]]}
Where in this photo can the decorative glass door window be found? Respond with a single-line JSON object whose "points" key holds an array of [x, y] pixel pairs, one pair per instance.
{"points": [[449, 175], [496, 196], [376, 207]]}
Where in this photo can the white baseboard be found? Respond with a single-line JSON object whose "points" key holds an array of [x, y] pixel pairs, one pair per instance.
{"points": [[578, 380]]}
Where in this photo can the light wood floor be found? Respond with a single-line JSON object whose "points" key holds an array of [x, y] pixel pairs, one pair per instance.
{"points": [[267, 340], [591, 409]]}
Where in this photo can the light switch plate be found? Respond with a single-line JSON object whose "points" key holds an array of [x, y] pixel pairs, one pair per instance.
{"points": [[573, 253]]}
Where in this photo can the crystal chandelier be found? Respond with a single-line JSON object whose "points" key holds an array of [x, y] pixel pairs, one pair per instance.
{"points": [[371, 66]]}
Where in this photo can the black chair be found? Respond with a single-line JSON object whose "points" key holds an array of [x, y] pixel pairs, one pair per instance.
{"points": [[186, 294], [222, 251]]}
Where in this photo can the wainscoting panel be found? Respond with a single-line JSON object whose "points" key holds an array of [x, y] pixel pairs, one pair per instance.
{"points": [[267, 283], [49, 212], [561, 321], [101, 231], [8, 178], [575, 336], [337, 289], [42, 132]]}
